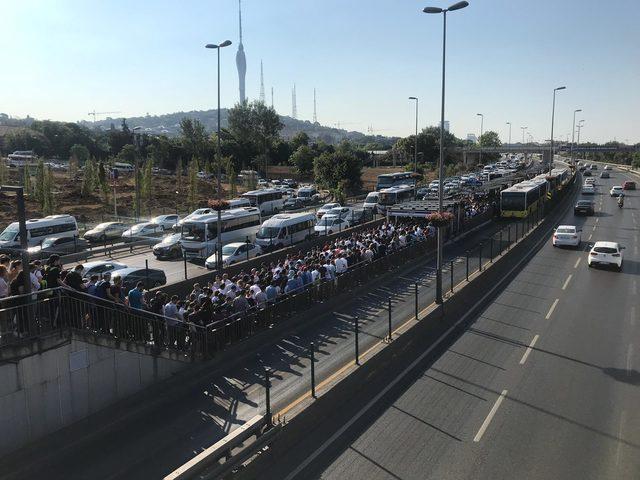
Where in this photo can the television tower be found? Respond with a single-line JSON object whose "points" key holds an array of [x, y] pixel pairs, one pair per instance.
{"points": [[294, 109], [315, 116], [261, 83], [241, 61]]}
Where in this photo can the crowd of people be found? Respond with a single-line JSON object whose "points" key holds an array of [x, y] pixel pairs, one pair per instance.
{"points": [[225, 295]]}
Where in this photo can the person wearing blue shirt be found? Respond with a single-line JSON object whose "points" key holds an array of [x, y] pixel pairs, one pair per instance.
{"points": [[272, 292], [136, 299]]}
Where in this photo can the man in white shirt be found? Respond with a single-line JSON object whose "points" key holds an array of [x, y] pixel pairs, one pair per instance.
{"points": [[341, 264]]}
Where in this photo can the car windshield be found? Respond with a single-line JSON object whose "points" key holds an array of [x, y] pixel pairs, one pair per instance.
{"points": [[268, 232], [584, 204], [565, 230], [326, 221], [102, 226], [48, 242], [229, 249], [371, 198], [329, 206], [605, 250], [10, 233], [172, 238]]}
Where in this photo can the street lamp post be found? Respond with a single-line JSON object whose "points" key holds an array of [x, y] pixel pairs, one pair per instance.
{"points": [[481, 132], [509, 123], [579, 126], [573, 133], [226, 43], [456, 6], [553, 112], [415, 153], [136, 143], [22, 232]]}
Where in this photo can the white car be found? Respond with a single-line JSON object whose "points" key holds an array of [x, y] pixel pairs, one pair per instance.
{"points": [[166, 222], [606, 253], [325, 208], [588, 189], [141, 230], [607, 167], [329, 224], [234, 253], [199, 211], [567, 235], [590, 181], [616, 191]]}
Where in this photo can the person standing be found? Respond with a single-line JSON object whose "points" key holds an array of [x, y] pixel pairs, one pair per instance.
{"points": [[171, 316]]}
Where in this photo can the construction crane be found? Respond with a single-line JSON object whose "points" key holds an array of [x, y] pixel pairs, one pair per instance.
{"points": [[94, 113]]}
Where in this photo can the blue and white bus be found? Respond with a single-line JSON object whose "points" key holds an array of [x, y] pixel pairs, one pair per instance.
{"points": [[387, 180]]}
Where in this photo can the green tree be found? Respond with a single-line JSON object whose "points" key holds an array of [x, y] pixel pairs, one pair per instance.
{"points": [[79, 153], [231, 175], [193, 183], [88, 178], [195, 140], [3, 172], [302, 160], [103, 182], [341, 169], [39, 184], [146, 184], [429, 146], [48, 200], [487, 140], [26, 183], [127, 154], [298, 140], [27, 139], [179, 175]]}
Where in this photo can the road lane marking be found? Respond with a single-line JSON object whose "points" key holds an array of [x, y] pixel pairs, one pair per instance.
{"points": [[579, 260], [590, 236], [597, 219], [633, 316], [553, 307], [620, 443], [487, 420], [528, 350], [634, 287], [566, 282], [629, 355], [594, 227]]}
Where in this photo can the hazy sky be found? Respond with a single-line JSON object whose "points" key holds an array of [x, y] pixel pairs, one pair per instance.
{"points": [[61, 59]]}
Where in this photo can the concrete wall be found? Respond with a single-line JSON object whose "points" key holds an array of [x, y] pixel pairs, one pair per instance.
{"points": [[44, 392]]}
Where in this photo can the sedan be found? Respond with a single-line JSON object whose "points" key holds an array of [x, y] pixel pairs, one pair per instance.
{"points": [[151, 277], [588, 189], [616, 191], [141, 231], [59, 246], [422, 191], [169, 247], [325, 208], [331, 224], [105, 231], [606, 253], [166, 222], [584, 207], [100, 267], [604, 174], [293, 204], [586, 173], [628, 185], [567, 235], [234, 253]]}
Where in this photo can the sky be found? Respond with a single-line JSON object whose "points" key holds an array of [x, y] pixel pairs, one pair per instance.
{"points": [[62, 59]]}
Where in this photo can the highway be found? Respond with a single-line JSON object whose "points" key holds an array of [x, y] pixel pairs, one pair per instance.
{"points": [[542, 384]]}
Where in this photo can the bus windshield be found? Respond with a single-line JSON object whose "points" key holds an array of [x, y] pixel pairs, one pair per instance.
{"points": [[195, 232], [387, 199], [268, 232], [253, 199], [513, 201]]}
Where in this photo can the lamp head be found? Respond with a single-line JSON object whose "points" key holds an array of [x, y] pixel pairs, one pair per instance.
{"points": [[560, 88], [211, 45], [576, 111], [432, 10], [226, 43], [413, 98], [458, 6]]}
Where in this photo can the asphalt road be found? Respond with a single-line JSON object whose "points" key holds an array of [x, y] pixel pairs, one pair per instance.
{"points": [[182, 421], [542, 385]]}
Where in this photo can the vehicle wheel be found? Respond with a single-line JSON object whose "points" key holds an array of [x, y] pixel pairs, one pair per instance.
{"points": [[620, 268], [157, 284], [589, 265], [103, 239]]}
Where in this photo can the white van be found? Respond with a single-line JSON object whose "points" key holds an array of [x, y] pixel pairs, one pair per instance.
{"points": [[238, 203], [38, 229], [307, 194], [371, 202], [285, 229]]}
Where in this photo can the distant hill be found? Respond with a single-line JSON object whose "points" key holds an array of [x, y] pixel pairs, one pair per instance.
{"points": [[169, 124]]}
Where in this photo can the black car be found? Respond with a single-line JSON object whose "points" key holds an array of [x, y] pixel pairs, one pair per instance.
{"points": [[151, 277], [293, 204], [584, 207], [586, 173], [169, 247]]}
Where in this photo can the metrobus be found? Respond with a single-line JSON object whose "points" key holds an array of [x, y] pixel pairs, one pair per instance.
{"points": [[387, 180], [268, 200], [394, 195], [522, 198], [200, 233]]}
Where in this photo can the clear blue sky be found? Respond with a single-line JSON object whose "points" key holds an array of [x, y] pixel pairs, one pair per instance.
{"points": [[62, 59]]}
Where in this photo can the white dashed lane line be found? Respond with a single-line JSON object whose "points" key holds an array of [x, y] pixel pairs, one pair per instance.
{"points": [[487, 420], [553, 307], [566, 282], [528, 350], [579, 260]]}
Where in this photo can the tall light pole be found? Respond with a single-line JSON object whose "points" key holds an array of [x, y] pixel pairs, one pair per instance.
{"points": [[456, 6], [509, 123], [573, 134], [137, 170], [226, 43], [579, 126], [415, 153], [481, 132], [553, 112]]}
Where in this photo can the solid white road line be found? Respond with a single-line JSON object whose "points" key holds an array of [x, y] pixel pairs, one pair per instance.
{"points": [[597, 219], [528, 350], [566, 282], [487, 420], [579, 260], [553, 307], [590, 236], [629, 355], [620, 443]]}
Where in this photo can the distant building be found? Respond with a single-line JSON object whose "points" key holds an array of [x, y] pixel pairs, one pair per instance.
{"points": [[446, 125], [471, 137]]}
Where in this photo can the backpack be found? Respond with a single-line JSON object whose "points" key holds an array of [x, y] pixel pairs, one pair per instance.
{"points": [[101, 289]]}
